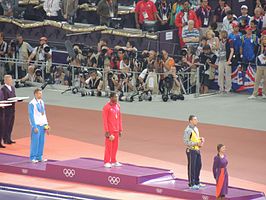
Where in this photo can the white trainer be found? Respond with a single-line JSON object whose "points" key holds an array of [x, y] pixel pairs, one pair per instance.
{"points": [[252, 97], [107, 165], [43, 160], [34, 161], [263, 96], [117, 164]]}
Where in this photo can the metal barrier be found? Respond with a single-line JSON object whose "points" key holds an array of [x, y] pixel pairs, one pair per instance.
{"points": [[76, 75]]}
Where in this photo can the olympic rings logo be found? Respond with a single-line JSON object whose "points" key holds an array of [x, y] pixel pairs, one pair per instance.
{"points": [[69, 173], [113, 180], [204, 197]]}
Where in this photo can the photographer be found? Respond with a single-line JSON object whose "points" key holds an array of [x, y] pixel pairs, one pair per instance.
{"points": [[176, 89], [19, 49], [42, 56], [94, 82], [91, 58], [33, 75], [103, 58], [60, 77], [125, 83], [77, 60], [188, 64], [148, 79], [208, 58]]}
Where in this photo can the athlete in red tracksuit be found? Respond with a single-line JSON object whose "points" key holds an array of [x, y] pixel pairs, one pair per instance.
{"points": [[113, 129]]}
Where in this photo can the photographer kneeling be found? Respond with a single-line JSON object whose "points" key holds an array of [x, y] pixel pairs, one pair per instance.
{"points": [[94, 82], [148, 79], [33, 75]]}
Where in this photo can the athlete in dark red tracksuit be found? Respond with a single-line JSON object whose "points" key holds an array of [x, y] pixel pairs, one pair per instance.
{"points": [[113, 129]]}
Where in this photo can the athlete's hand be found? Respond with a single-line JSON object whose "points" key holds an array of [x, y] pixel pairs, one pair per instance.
{"points": [[112, 137], [36, 130]]}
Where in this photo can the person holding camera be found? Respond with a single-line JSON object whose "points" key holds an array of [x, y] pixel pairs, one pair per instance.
{"points": [[20, 50], [107, 9], [261, 70], [208, 58], [42, 56], [39, 126], [193, 143], [33, 75], [94, 82], [112, 122]]}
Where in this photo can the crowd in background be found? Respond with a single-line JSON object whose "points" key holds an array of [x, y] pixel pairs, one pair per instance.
{"points": [[212, 40]]}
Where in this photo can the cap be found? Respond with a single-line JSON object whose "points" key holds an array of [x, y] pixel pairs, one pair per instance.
{"points": [[244, 7]]}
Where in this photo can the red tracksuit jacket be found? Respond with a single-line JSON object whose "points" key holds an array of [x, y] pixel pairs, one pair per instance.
{"points": [[112, 118]]}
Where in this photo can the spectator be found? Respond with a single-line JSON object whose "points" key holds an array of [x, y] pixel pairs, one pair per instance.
{"points": [[33, 75], [261, 70], [255, 31], [3, 54], [52, 10], [220, 11], [43, 56], [176, 8], [212, 41], [145, 10], [249, 46], [227, 20], [214, 27], [191, 35], [183, 17], [107, 9], [244, 19], [235, 36], [164, 13], [8, 7], [69, 8], [226, 52], [204, 14], [258, 18]]}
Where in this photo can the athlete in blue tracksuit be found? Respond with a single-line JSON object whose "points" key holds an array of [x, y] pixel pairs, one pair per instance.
{"points": [[39, 126]]}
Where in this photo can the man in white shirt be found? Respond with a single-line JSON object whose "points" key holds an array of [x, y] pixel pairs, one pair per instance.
{"points": [[39, 126], [227, 21], [52, 9]]}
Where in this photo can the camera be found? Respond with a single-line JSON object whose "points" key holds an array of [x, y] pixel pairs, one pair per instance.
{"points": [[159, 57], [166, 87], [38, 72], [13, 44], [46, 49], [146, 95], [87, 93], [127, 98]]}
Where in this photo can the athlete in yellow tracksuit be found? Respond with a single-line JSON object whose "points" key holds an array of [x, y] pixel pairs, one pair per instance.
{"points": [[193, 142]]}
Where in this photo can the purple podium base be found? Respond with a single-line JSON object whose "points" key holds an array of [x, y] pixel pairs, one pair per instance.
{"points": [[129, 177]]}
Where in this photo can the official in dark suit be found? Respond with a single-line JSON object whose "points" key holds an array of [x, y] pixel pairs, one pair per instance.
{"points": [[2, 118], [8, 92]]}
